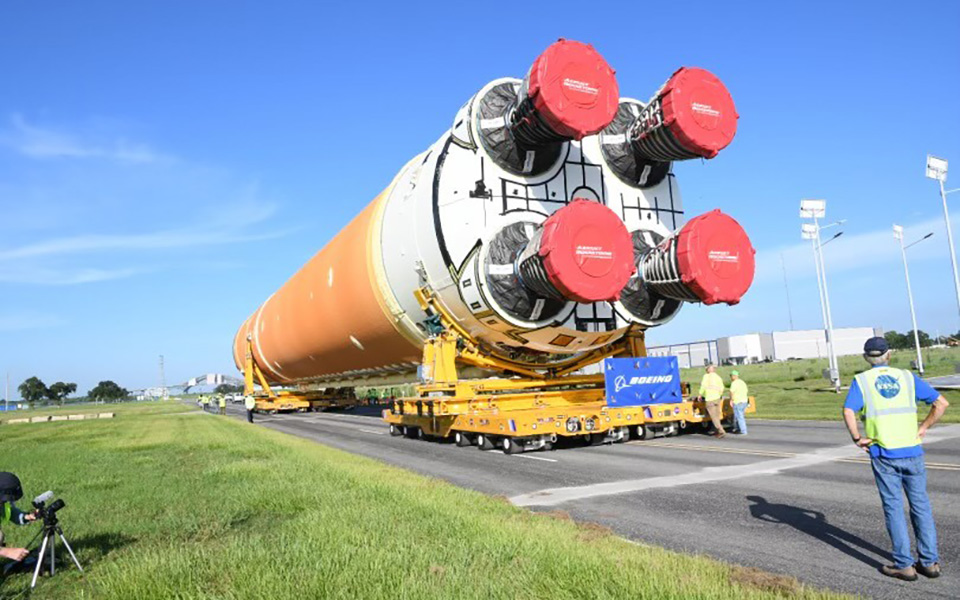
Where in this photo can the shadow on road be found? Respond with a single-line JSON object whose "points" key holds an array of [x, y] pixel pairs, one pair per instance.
{"points": [[815, 524]]}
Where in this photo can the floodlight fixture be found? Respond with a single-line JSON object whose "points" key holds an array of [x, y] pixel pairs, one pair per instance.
{"points": [[936, 168], [898, 232], [813, 209]]}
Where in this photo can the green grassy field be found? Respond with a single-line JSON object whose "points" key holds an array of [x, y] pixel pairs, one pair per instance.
{"points": [[118, 408], [796, 389], [166, 505]]}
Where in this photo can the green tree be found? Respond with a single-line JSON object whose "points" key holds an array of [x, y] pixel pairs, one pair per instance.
{"points": [[107, 391], [60, 390], [228, 388], [33, 390]]}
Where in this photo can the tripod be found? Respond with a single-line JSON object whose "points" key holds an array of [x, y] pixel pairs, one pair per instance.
{"points": [[51, 528]]}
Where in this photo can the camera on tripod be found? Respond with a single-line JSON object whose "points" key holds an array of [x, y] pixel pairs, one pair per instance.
{"points": [[51, 530], [48, 513]]}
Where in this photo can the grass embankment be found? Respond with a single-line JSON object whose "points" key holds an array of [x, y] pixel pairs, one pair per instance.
{"points": [[200, 506], [796, 389]]}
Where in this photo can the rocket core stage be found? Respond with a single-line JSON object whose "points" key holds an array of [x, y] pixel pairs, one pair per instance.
{"points": [[547, 220]]}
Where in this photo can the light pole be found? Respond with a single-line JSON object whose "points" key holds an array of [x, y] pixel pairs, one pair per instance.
{"points": [[787, 290], [898, 233], [937, 169], [816, 210]]}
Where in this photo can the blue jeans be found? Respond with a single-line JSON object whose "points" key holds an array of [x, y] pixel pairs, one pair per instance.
{"points": [[740, 420], [894, 476]]}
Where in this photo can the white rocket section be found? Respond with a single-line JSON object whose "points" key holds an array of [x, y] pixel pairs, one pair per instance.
{"points": [[449, 202]]}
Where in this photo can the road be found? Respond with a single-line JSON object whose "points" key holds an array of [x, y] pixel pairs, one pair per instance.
{"points": [[794, 498]]}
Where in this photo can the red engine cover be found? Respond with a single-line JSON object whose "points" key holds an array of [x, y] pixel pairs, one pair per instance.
{"points": [[715, 258], [573, 89], [587, 252], [699, 111]]}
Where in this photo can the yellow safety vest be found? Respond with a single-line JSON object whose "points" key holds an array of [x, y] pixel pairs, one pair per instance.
{"points": [[6, 511], [889, 407], [222, 401], [739, 392], [711, 387], [250, 402]]}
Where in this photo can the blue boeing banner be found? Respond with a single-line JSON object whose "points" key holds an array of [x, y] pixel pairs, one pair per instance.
{"points": [[642, 381]]}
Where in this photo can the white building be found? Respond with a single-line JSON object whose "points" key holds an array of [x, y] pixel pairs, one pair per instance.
{"points": [[760, 347], [812, 343], [745, 349], [693, 354]]}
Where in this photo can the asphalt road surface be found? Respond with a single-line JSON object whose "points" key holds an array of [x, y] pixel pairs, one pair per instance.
{"points": [[795, 498]]}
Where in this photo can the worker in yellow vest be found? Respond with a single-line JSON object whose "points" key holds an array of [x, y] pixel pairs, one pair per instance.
{"points": [[711, 390], [222, 402], [250, 403], [739, 400], [886, 399]]}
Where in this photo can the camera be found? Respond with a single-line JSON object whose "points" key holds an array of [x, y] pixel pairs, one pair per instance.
{"points": [[48, 513]]}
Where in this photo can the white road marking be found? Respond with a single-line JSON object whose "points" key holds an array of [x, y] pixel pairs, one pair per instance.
{"points": [[372, 431], [535, 457], [554, 496]]}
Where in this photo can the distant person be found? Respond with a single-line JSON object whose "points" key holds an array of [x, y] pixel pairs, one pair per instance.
{"points": [[711, 390], [222, 402], [739, 400], [886, 399], [10, 492], [250, 403]]}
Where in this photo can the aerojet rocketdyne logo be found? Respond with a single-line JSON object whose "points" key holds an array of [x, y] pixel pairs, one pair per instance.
{"points": [[887, 385]]}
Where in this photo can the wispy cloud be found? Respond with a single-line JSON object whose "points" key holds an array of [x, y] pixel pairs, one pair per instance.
{"points": [[28, 320], [38, 142], [34, 275], [852, 252]]}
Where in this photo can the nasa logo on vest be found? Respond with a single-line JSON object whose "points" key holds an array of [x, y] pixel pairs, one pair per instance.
{"points": [[887, 385]]}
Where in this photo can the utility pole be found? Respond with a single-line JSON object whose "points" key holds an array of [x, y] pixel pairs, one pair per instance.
{"points": [[163, 381], [898, 234], [786, 289], [937, 169], [6, 406], [816, 209]]}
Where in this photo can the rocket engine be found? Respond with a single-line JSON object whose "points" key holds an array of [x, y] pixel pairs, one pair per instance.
{"points": [[547, 221]]}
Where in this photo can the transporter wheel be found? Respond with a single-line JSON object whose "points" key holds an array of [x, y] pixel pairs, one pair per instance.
{"points": [[395, 431], [624, 435], [510, 446], [484, 442], [411, 432], [640, 432], [462, 439], [597, 439]]}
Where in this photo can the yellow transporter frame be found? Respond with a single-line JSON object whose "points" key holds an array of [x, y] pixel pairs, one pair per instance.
{"points": [[274, 401], [530, 411]]}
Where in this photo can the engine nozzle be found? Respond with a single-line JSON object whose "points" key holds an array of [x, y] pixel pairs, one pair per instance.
{"points": [[691, 116], [569, 93], [583, 252], [709, 260]]}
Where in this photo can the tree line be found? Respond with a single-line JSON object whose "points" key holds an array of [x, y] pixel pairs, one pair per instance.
{"points": [[904, 341], [35, 391]]}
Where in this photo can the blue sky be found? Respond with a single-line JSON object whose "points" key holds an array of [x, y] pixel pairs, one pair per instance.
{"points": [[164, 166]]}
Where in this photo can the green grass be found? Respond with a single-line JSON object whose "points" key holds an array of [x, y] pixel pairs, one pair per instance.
{"points": [[796, 389], [118, 408], [199, 506]]}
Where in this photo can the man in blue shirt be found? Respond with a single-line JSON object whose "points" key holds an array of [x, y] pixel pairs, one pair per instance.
{"points": [[886, 399]]}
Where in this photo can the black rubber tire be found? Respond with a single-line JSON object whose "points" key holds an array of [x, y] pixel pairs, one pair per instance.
{"points": [[395, 431], [641, 432], [462, 439], [510, 446], [485, 443]]}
